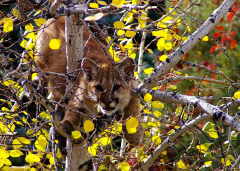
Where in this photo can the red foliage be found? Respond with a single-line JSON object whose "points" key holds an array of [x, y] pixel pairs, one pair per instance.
{"points": [[230, 16]]}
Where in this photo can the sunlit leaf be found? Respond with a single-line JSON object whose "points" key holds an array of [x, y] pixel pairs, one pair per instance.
{"points": [[29, 27], [101, 2], [45, 115], [156, 139], [124, 166], [207, 163], [148, 71], [209, 128], [161, 44], [93, 5], [181, 165], [103, 141], [130, 33], [147, 97], [120, 32], [118, 25], [227, 161], [40, 21], [205, 39], [163, 58], [157, 104], [32, 158], [132, 125], [76, 134], [203, 148], [16, 13], [237, 95], [3, 154], [88, 126], [7, 24], [55, 44], [41, 143], [93, 149], [15, 153], [34, 76], [117, 3]]}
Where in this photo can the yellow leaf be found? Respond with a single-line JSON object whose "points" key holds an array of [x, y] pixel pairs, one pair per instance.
{"points": [[228, 160], [29, 27], [161, 44], [118, 25], [181, 165], [157, 113], [88, 126], [93, 5], [209, 128], [94, 17], [203, 148], [16, 13], [207, 163], [120, 32], [157, 104], [15, 153], [131, 125], [31, 35], [168, 46], [6, 161], [27, 44], [205, 39], [55, 44], [40, 21], [34, 76], [237, 95], [102, 168], [124, 166], [147, 97], [7, 24], [156, 139], [32, 158], [41, 143], [45, 115], [103, 141], [76, 134], [3, 154], [148, 71], [93, 149], [163, 58], [130, 33], [117, 3], [101, 2]]}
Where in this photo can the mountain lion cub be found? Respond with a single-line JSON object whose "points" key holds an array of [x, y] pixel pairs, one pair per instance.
{"points": [[102, 86]]}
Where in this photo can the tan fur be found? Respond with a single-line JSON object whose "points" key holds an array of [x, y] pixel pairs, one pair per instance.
{"points": [[100, 85]]}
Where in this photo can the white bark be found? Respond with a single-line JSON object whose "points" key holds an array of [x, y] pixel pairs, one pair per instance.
{"points": [[213, 111]]}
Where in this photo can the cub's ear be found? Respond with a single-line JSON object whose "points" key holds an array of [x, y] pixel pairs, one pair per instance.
{"points": [[126, 66], [90, 68]]}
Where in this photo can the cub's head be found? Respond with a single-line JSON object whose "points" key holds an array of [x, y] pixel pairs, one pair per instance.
{"points": [[109, 85]]}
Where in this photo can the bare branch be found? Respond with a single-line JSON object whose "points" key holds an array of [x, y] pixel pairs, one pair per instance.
{"points": [[203, 30], [214, 111]]}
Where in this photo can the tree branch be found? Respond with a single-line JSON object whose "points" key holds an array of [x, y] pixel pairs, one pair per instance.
{"points": [[203, 30], [214, 111]]}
